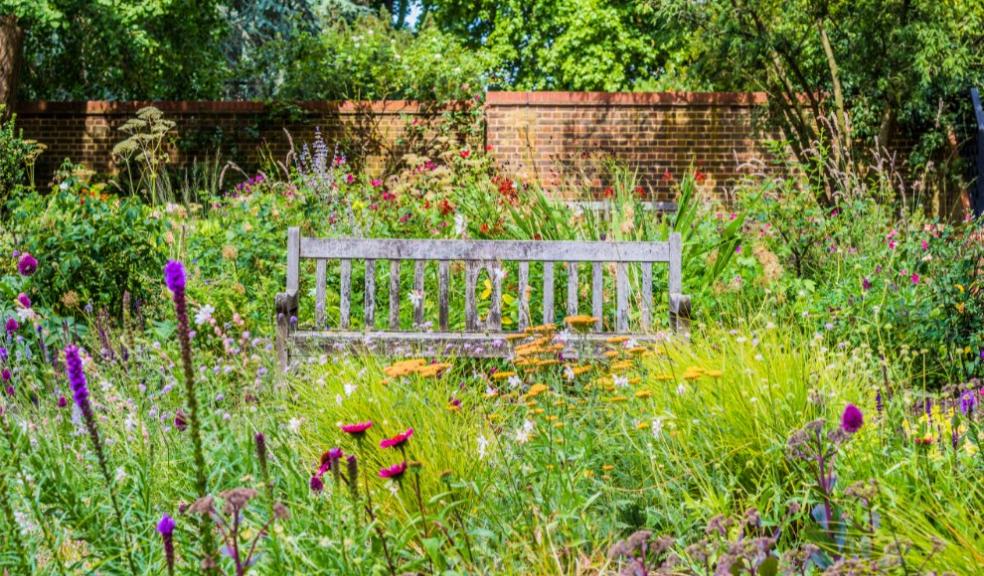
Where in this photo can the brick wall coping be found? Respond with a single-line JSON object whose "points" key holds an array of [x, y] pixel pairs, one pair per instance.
{"points": [[113, 107], [625, 98]]}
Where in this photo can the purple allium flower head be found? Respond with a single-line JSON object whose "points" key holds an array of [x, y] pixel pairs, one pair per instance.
{"points": [[27, 264], [24, 300], [317, 484], [11, 326], [852, 419], [865, 284], [179, 421], [62, 401], [10, 390], [174, 276], [76, 376], [5, 375], [166, 526]]}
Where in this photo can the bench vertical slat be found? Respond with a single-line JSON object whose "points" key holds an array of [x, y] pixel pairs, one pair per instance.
{"points": [[548, 293], [394, 295], [495, 311], [646, 313], [443, 282], [676, 273], [571, 288], [597, 295], [319, 292], [471, 312], [418, 288], [370, 319], [293, 260], [345, 294], [524, 295], [622, 298]]}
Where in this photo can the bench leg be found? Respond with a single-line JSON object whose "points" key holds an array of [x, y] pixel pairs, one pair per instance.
{"points": [[286, 307], [680, 314]]}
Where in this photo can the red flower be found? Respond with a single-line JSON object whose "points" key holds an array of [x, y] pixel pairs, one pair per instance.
{"points": [[465, 153], [640, 191], [394, 472], [700, 177], [667, 175], [484, 228], [357, 429], [446, 207], [488, 148], [608, 192], [398, 440]]}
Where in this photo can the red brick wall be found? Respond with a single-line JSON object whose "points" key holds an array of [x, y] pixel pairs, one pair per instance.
{"points": [[563, 138], [560, 139], [373, 133]]}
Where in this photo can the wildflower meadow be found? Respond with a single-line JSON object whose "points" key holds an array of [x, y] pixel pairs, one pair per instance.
{"points": [[818, 411]]}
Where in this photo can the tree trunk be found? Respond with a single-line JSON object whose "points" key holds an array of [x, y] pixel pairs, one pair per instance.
{"points": [[11, 44]]}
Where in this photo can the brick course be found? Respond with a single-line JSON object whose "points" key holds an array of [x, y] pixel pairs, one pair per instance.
{"points": [[561, 139]]}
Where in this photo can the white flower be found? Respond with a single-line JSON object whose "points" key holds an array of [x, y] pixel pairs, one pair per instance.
{"points": [[459, 224], [483, 446], [620, 381], [568, 372], [204, 315], [349, 388], [294, 425], [416, 297], [523, 434], [681, 389], [338, 399], [120, 474], [63, 186], [514, 381], [631, 343], [657, 427], [499, 273]]}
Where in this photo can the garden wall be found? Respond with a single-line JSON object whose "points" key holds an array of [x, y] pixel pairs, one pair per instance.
{"points": [[559, 138]]}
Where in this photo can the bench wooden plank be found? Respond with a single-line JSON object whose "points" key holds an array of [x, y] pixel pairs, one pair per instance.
{"points": [[676, 267], [471, 310], [497, 272], [548, 293], [646, 306], [418, 289], [572, 288], [443, 283], [319, 292], [293, 260], [394, 295], [370, 299], [484, 250], [345, 294], [524, 295], [597, 295], [621, 298]]}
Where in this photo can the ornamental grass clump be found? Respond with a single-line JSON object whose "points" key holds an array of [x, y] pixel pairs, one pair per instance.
{"points": [[174, 278], [80, 393]]}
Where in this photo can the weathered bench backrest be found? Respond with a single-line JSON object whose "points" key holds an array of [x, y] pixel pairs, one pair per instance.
{"points": [[489, 255]]}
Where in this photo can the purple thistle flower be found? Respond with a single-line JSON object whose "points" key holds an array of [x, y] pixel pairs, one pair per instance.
{"points": [[62, 401], [174, 277], [27, 264], [11, 326], [865, 284], [166, 529], [76, 378], [24, 300], [5, 375], [317, 484], [852, 419]]}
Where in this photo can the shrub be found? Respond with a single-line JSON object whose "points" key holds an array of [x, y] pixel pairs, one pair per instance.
{"points": [[95, 247]]}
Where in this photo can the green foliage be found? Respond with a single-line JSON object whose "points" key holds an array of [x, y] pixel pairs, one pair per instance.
{"points": [[16, 158], [369, 59], [95, 247]]}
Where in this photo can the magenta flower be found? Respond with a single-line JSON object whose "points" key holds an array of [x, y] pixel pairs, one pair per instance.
{"points": [[398, 440], [12, 325], [316, 484], [376, 182], [5, 375], [174, 276], [865, 284], [24, 300], [329, 459], [357, 429], [27, 264], [914, 278], [394, 472], [166, 529], [852, 419]]}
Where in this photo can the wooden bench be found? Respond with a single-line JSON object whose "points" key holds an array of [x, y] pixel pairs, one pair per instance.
{"points": [[481, 337]]}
